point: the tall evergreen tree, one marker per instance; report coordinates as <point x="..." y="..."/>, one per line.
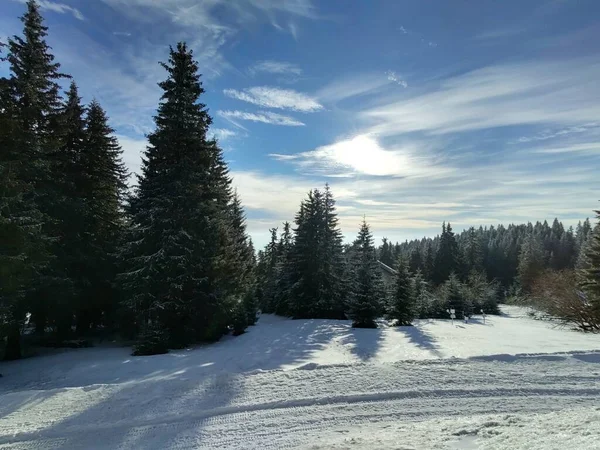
<point x="401" y="307"/>
<point x="367" y="292"/>
<point x="332" y="273"/>
<point x="589" y="274"/>
<point x="472" y="252"/>
<point x="386" y="253"/>
<point x="531" y="261"/>
<point x="103" y="187"/>
<point x="176" y="255"/>
<point x="23" y="247"/>
<point x="447" y="256"/>
<point x="31" y="110"/>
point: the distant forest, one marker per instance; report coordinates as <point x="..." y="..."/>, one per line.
<point x="170" y="263"/>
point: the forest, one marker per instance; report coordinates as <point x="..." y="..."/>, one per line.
<point x="169" y="263"/>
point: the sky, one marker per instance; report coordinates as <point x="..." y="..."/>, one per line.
<point x="415" y="112"/>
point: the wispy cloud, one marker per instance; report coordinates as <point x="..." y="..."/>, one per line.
<point x="534" y="93"/>
<point x="552" y="134"/>
<point x="394" y="78"/>
<point x="261" y="116"/>
<point x="60" y="8"/>
<point x="589" y="147"/>
<point x="352" y="86"/>
<point x="121" y="33"/>
<point x="276" y="67"/>
<point x="363" y="154"/>
<point x="272" y="97"/>
<point x="222" y="134"/>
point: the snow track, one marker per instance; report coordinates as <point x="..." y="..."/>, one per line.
<point x="295" y="408"/>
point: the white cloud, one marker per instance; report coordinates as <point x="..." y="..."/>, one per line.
<point x="549" y="93"/>
<point x="261" y="116"/>
<point x="588" y="147"/>
<point x="222" y="133"/>
<point x="352" y="86"/>
<point x="60" y="8"/>
<point x="363" y="154"/>
<point x="133" y="149"/>
<point x="552" y="134"/>
<point x="277" y="67"/>
<point x="394" y="78"/>
<point x="272" y="97"/>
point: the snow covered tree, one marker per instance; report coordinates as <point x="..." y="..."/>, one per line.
<point x="386" y="254"/>
<point x="401" y="305"/>
<point x="447" y="256"/>
<point x="454" y="296"/>
<point x="178" y="254"/>
<point x="472" y="252"/>
<point x="367" y="291"/>
<point x="421" y="295"/>
<point x="531" y="261"/>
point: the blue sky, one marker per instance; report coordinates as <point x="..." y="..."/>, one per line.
<point x="415" y="112"/>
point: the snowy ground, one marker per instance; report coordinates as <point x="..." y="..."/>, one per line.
<point x="510" y="383"/>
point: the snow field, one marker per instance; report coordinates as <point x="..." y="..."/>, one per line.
<point x="318" y="384"/>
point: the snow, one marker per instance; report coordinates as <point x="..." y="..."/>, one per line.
<point x="513" y="382"/>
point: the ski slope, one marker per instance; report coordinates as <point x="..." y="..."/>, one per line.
<point x="512" y="382"/>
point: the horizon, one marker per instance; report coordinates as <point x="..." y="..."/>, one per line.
<point x="473" y="116"/>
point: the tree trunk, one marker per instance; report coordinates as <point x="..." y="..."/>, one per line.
<point x="13" y="344"/>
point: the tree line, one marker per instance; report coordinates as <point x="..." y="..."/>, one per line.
<point x="307" y="272"/>
<point x="167" y="264"/>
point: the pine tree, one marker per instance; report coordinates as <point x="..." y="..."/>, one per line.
<point x="386" y="254"/>
<point x="30" y="110"/>
<point x="421" y="296"/>
<point x="454" y="296"/>
<point x="103" y="186"/>
<point x="177" y="253"/>
<point x="531" y="261"/>
<point x="472" y="252"/>
<point x="305" y="291"/>
<point x="22" y="245"/>
<point x="284" y="269"/>
<point x="447" y="256"/>
<point x="589" y="274"/>
<point x="401" y="306"/>
<point x="332" y="273"/>
<point x="416" y="262"/>
<point x="367" y="292"/>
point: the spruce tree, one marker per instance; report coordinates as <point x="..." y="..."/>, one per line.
<point x="332" y="273"/>
<point x="177" y="254"/>
<point x="401" y="307"/>
<point x="447" y="256"/>
<point x="531" y="261"/>
<point x="102" y="185"/>
<point x="367" y="291"/>
<point x="589" y="274"/>
<point x="386" y="253"/>
<point x="30" y="142"/>
<point x="454" y="296"/>
<point x="23" y="247"/>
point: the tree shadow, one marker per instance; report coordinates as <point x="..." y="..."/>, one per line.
<point x="133" y="402"/>
<point x="421" y="339"/>
<point x="364" y="343"/>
